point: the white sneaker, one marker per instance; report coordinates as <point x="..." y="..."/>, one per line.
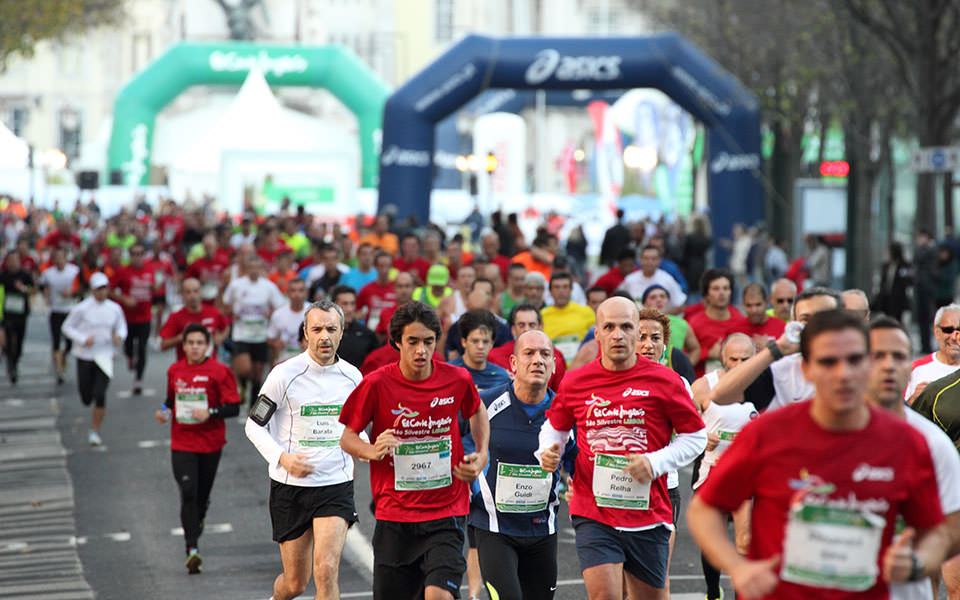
<point x="94" y="438"/>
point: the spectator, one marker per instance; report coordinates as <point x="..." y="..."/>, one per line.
<point x="895" y="277"/>
<point x="818" y="261"/>
<point x="615" y="241"/>
<point x="946" y="274"/>
<point x="925" y="262"/>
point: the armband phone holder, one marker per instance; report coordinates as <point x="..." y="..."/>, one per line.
<point x="262" y="410"/>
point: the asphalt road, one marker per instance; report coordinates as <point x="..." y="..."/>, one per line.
<point x="127" y="508"/>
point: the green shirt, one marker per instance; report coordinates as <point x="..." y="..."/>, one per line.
<point x="939" y="402"/>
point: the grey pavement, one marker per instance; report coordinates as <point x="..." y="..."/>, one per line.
<point x="116" y="507"/>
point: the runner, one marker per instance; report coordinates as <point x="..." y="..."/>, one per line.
<point x="311" y="487"/>
<point x="134" y="287"/>
<point x="249" y="300"/>
<point x="358" y="341"/>
<point x="889" y="373"/>
<point x="286" y="322"/>
<point x="16" y="281"/>
<point x="208" y="269"/>
<point x="194" y="310"/>
<point x="946" y="360"/>
<point x="723" y="423"/>
<point x="201" y="393"/>
<point x="828" y="478"/>
<point x="418" y="471"/>
<point x="62" y="287"/>
<point x="95" y="325"/>
<point x="525" y="317"/>
<point x="625" y="410"/>
<point x="516" y="530"/>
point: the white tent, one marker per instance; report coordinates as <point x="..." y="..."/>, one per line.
<point x="255" y="120"/>
<point x="13" y="150"/>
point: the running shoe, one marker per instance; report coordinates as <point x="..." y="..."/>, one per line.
<point x="194" y="561"/>
<point x="94" y="438"/>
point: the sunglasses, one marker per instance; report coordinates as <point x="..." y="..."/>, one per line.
<point x="948" y="330"/>
<point x="783" y="300"/>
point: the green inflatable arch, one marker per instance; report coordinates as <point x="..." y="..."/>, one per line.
<point x="226" y="63"/>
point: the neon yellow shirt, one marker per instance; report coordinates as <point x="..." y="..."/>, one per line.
<point x="567" y="326"/>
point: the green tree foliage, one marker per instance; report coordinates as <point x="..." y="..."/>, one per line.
<point x="24" y="23"/>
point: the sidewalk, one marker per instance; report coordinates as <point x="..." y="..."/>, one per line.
<point x="38" y="547"/>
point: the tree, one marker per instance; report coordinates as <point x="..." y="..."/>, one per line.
<point x="924" y="39"/>
<point x="24" y="23"/>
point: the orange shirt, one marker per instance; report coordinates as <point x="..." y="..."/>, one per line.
<point x="387" y="242"/>
<point x="525" y="259"/>
<point x="281" y="279"/>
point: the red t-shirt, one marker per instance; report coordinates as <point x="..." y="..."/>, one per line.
<point x="375" y="298"/>
<point x="772" y="328"/>
<point x="501" y="356"/>
<point x="622" y="412"/>
<point x="56" y="239"/>
<point x="610" y="280"/>
<point x="138" y="283"/>
<point x="416" y="411"/>
<point x="418" y="266"/>
<point x="710" y="331"/>
<point x="163" y="270"/>
<point x="209" y="316"/>
<point x="216" y="382"/>
<point x="776" y="460"/>
<point x="383" y="325"/>
<point x="208" y="271"/>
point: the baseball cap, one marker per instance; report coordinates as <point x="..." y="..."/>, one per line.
<point x="438" y="275"/>
<point x="98" y="280"/>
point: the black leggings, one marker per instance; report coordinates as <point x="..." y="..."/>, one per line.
<point x="56" y="323"/>
<point x="137" y="334"/>
<point x="15" y="328"/>
<point x="194" y="472"/>
<point x="92" y="383"/>
<point x="518" y="568"/>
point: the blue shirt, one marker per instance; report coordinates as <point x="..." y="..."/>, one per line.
<point x="514" y="437"/>
<point x="489" y="377"/>
<point x="355" y="279"/>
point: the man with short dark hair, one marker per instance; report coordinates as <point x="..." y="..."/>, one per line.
<point x="717" y="320"/>
<point x="566" y="322"/>
<point x="377" y="295"/>
<point x="761" y="327"/>
<point x="830" y="469"/>
<point x="194" y="311"/>
<point x="283" y="330"/>
<point x="357" y="341"/>
<point x="595" y="296"/>
<point x="476" y="329"/>
<point x="613" y="278"/>
<point x="133" y="287"/>
<point x="649" y="274"/>
<point x="418" y="471"/>
<point x="410" y="260"/>
<point x="403" y="287"/>
<point x="479" y="298"/>
<point x="513" y="294"/>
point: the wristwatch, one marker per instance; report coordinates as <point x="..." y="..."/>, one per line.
<point x="774" y="350"/>
<point x="916" y="567"/>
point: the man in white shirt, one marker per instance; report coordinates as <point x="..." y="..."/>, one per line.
<point x="889" y="371"/>
<point x="249" y="300"/>
<point x="649" y="274"/>
<point x="95" y="325"/>
<point x="946" y="360"/>
<point x="311" y="488"/>
<point x="283" y="332"/>
<point x="59" y="282"/>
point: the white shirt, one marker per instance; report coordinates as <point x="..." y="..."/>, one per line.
<point x="318" y="270"/>
<point x="59" y="281"/>
<point x="300" y="386"/>
<point x="636" y="283"/>
<point x="285" y="325"/>
<point x="789" y="384"/>
<point x="251" y="303"/>
<point x="99" y="320"/>
<point x="725" y="418"/>
<point x="946" y="465"/>
<point x="927" y="372"/>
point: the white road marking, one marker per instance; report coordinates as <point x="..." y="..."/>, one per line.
<point x="359" y="552"/>
<point x="124" y="394"/>
<point x="149" y="392"/>
<point x="13" y="547"/>
<point x="153" y="443"/>
<point x="120" y="536"/>
<point x="213" y="528"/>
<point x="100" y="448"/>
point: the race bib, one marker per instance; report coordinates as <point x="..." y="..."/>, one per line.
<point x="834" y="548"/>
<point x="15" y="304"/>
<point x="208" y="291"/>
<point x="185" y="403"/>
<point x="253" y="327"/>
<point x="422" y="465"/>
<point x="568" y="344"/>
<point x="522" y="488"/>
<point x="615" y="488"/>
<point x="318" y="426"/>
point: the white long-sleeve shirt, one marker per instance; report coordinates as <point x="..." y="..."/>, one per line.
<point x="99" y="320"/>
<point x="309" y="398"/>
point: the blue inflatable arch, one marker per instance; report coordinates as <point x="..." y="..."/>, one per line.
<point x="668" y="62"/>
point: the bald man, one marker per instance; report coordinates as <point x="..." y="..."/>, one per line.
<point x="625" y="410"/>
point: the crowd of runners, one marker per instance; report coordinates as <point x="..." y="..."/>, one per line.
<point x="486" y="380"/>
